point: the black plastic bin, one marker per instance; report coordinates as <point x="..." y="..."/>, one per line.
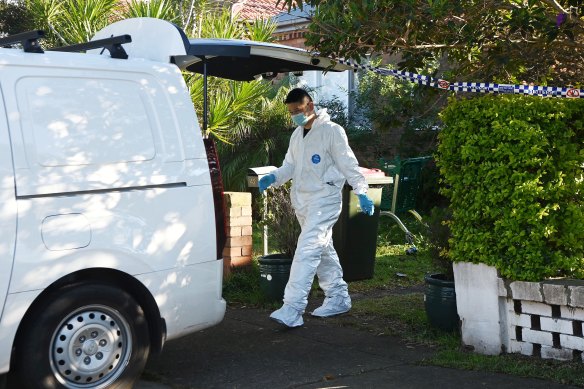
<point x="274" y="274"/>
<point x="355" y="233"/>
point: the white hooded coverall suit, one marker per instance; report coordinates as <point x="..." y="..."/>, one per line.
<point x="318" y="165"/>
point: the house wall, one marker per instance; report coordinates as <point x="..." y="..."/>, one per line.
<point x="291" y="38"/>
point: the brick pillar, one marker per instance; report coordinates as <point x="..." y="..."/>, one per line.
<point x="238" y="248"/>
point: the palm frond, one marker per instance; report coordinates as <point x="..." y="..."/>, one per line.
<point x="220" y="25"/>
<point x="81" y="19"/>
<point x="260" y="30"/>
<point x="159" y="9"/>
<point x="45" y="14"/>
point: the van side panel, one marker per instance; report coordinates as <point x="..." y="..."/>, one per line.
<point x="7" y="222"/>
<point x="107" y="167"/>
<point x="137" y="231"/>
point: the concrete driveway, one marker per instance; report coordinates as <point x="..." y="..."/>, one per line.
<point x="247" y="350"/>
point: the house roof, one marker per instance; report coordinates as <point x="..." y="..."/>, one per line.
<point x="257" y="9"/>
<point x="295" y="16"/>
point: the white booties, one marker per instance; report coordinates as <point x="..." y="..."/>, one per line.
<point x="333" y="306"/>
<point x="288" y="316"/>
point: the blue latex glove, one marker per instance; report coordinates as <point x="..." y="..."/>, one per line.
<point x="266" y="181"/>
<point x="366" y="204"/>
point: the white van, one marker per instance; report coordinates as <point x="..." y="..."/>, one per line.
<point x="111" y="210"/>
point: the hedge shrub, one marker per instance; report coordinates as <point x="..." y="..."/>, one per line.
<point x="512" y="167"/>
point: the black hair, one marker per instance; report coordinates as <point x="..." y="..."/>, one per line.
<point x="297" y="95"/>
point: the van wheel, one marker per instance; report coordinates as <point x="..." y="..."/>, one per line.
<point x="86" y="336"/>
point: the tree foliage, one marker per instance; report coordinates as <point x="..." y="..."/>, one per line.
<point x="12" y="17"/>
<point x="500" y="40"/>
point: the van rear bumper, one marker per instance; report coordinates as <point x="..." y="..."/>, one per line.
<point x="188" y="297"/>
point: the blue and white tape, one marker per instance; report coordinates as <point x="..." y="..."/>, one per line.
<point x="476" y="87"/>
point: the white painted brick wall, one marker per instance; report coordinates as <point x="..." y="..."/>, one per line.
<point x="508" y="304"/>
<point x="572" y="342"/>
<point x="539" y="337"/>
<point x="526" y="291"/>
<point x="477" y="302"/>
<point x="555" y="294"/>
<point x="521" y="347"/>
<point x="556" y="325"/>
<point x="536" y="308"/>
<point x="486" y="305"/>
<point x="577" y="296"/>
<point x="501" y="286"/>
<point x="519" y="320"/>
<point x="572" y="313"/>
<point x="556" y="353"/>
<point x="512" y="333"/>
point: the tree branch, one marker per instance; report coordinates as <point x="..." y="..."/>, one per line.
<point x="556" y="5"/>
<point x="569" y="13"/>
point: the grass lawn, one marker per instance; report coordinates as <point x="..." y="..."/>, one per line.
<point x="392" y="304"/>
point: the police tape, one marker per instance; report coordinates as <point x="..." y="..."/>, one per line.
<point x="476" y="87"/>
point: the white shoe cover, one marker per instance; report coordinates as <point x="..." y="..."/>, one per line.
<point x="333" y="306"/>
<point x="287" y="316"/>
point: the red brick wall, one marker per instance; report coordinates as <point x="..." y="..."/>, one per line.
<point x="238" y="248"/>
<point x="292" y="38"/>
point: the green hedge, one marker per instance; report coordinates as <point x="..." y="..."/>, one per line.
<point x="512" y="168"/>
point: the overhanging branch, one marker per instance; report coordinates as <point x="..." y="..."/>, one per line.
<point x="556" y="5"/>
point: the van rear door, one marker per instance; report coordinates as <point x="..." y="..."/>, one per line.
<point x="233" y="59"/>
<point x="243" y="60"/>
<point x="7" y="208"/>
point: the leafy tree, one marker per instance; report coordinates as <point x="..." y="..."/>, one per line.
<point x="14" y="17"/>
<point x="501" y="40"/>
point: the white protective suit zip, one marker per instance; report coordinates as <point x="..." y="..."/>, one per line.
<point x="318" y="164"/>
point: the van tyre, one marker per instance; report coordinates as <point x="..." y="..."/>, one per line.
<point x="84" y="336"/>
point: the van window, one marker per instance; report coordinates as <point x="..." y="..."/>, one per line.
<point x="78" y="121"/>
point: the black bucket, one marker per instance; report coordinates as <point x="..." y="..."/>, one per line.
<point x="274" y="274"/>
<point x="440" y="302"/>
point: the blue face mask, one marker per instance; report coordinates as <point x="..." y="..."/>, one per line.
<point x="300" y="119"/>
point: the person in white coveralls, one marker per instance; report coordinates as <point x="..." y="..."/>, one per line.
<point x="318" y="161"/>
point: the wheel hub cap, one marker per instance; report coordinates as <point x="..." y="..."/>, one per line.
<point x="91" y="348"/>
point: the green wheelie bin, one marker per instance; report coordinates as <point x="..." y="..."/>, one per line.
<point x="355" y="233"/>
